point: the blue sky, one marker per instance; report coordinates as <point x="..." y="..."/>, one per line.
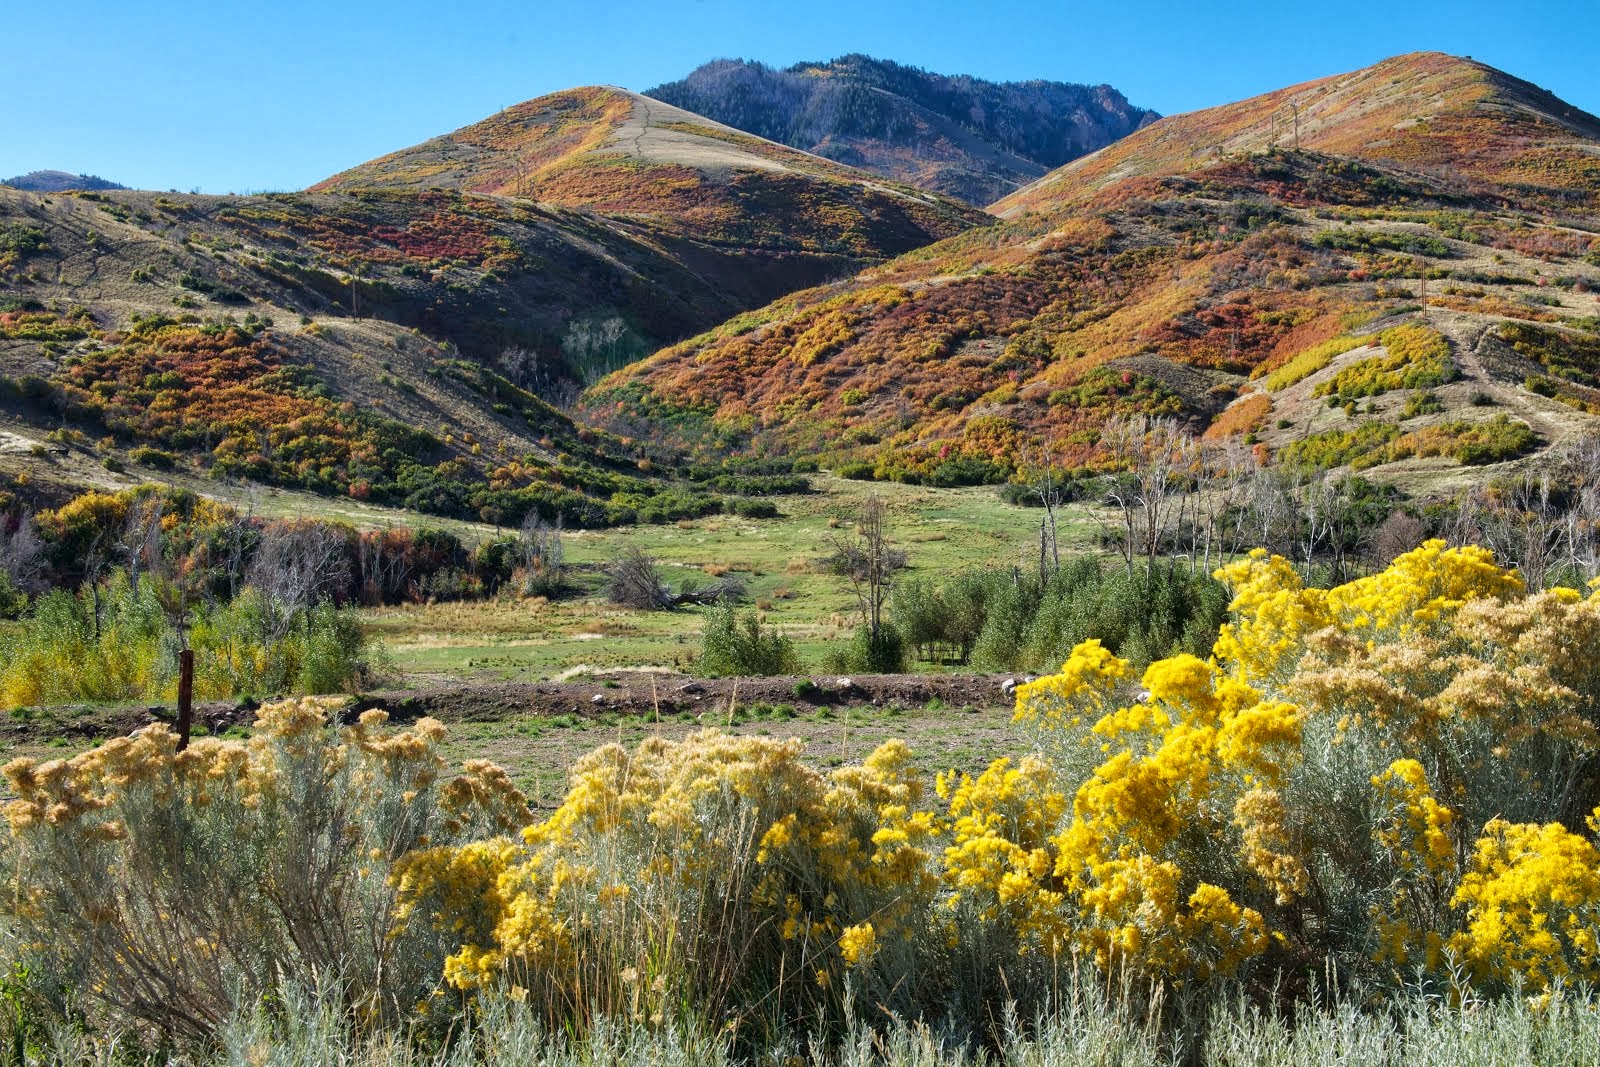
<point x="228" y="97"/>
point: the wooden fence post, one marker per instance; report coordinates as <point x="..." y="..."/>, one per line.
<point x="185" y="697"/>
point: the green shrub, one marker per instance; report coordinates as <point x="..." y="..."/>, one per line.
<point x="1421" y="402"/>
<point x="736" y="643"/>
<point x="146" y="456"/>
<point x="115" y="643"/>
<point x="752" y="509"/>
<point x="887" y="654"/>
<point x="1375" y="241"/>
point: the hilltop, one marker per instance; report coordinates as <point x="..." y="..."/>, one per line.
<point x="965" y="137"/>
<point x="674" y="174"/>
<point x="58" y="181"/>
<point x="1175" y="271"/>
<point x="399" y="333"/>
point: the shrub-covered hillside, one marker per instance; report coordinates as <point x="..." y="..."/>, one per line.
<point x="408" y="334"/>
<point x="1181" y="270"/>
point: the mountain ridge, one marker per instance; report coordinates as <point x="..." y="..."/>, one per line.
<point x="967" y="137"/>
<point x="401" y="339"/>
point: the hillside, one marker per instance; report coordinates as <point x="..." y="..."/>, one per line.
<point x="669" y="173"/>
<point x="965" y="137"/>
<point x="1173" y="271"/>
<point x="58" y="181"/>
<point x="393" y="340"/>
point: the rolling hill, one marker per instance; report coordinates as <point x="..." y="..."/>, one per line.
<point x="58" y="181"/>
<point x="1395" y="268"/>
<point x="965" y="137"/>
<point x="398" y="332"/>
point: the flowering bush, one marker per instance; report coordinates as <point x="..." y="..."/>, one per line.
<point x="1313" y="789"/>
<point x="173" y="887"/>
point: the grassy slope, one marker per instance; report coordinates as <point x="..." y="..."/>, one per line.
<point x="1160" y="273"/>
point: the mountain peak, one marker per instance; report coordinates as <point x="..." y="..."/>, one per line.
<point x="956" y="134"/>
<point x="642" y="162"/>
<point x="529" y="149"/>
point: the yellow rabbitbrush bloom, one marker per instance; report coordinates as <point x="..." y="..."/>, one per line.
<point x="1532" y="900"/>
<point x="1425" y="586"/>
<point x="721" y="860"/>
<point x="1413" y="828"/>
<point x="264" y="859"/>
<point x="858" y="944"/>
<point x="1002" y="862"/>
<point x="1086" y="682"/>
<point x="1198" y="740"/>
<point x="1415" y="839"/>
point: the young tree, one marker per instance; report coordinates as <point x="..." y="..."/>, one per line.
<point x="1039" y="469"/>
<point x="869" y="562"/>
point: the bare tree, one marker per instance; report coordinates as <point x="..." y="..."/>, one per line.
<point x="869" y="562"/>
<point x="233" y="546"/>
<point x="298" y="564"/>
<point x="1524" y="524"/>
<point x="1223" y="472"/>
<point x="1039" y="470"/>
<point x="140" y="544"/>
<point x="1395" y="536"/>
<point x="1156" y="458"/>
<point x="1582" y="466"/>
<point x="1271" y="508"/>
<point x="22" y="554"/>
<point x="519" y="365"/>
